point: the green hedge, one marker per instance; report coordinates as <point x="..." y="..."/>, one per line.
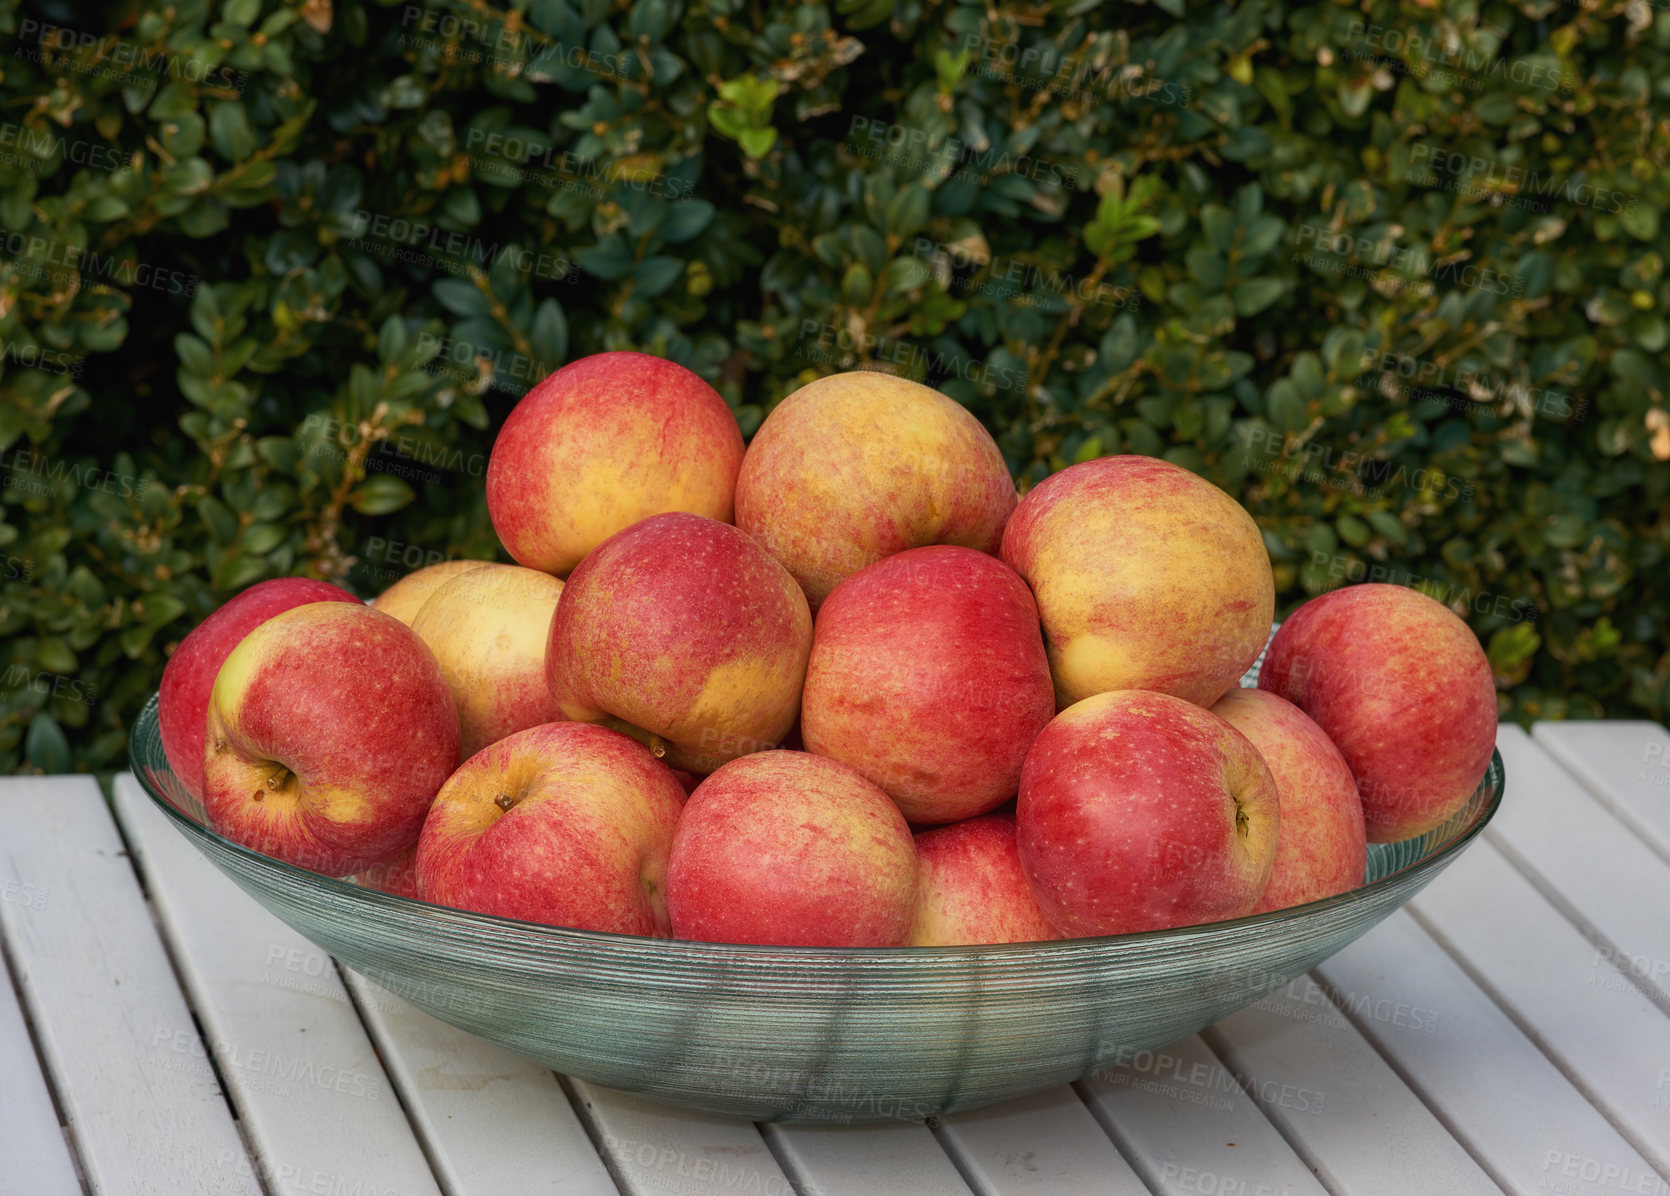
<point x="272" y="273"/>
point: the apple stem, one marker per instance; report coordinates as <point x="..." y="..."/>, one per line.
<point x="504" y="801"/>
<point x="657" y="746"/>
<point x="279" y="779"/>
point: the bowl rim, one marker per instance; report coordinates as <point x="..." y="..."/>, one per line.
<point x="344" y="888"/>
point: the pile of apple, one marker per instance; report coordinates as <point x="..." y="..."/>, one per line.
<point x="991" y="718"/>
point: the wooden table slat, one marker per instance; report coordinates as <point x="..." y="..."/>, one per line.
<point x="1624" y="764"/>
<point x="654" y="1149"/>
<point x="1512" y="1108"/>
<point x="37" y="1159"/>
<point x="1574" y="1003"/>
<point x="863" y="1160"/>
<point x="1048" y="1144"/>
<point x="1593" y="867"/>
<point x="1183" y="1120"/>
<point x="1353" y="1120"/>
<point x="315" y="1101"/>
<point x="143" y="1105"/>
<point x="469" y="1098"/>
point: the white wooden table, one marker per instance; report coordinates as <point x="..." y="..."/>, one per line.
<point x="1510" y="1030"/>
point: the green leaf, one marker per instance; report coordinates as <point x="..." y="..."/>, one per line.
<point x="222" y="524"/>
<point x="381" y="494"/>
<point x="46" y="747"/>
<point x="757" y="143"/>
<point x="654" y="275"/>
<point x="229" y="127"/>
<point x="549" y="334"/>
<point x="905" y="274"/>
<point x="1256" y="294"/>
<point x="908" y="211"/>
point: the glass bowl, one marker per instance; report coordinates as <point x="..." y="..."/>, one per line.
<point x="812" y="1034"/>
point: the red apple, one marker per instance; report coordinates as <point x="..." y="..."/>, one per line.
<point x="686" y="634"/>
<point x="787" y="848"/>
<point x="1140" y="811"/>
<point x="853" y="467"/>
<point x="183" y="704"/>
<point x="1147" y="577"/>
<point x="1402" y="687"/>
<point x="602" y="443"/>
<point x="398" y="876"/>
<point x="488" y="628"/>
<point x="971" y="887"/>
<point x="928" y="675"/>
<point x="406" y="597"/>
<point x="563" y="823"/>
<point x="330" y="729"/>
<point x="1321" y="849"/>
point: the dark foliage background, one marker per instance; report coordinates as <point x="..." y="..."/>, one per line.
<point x="272" y="273"/>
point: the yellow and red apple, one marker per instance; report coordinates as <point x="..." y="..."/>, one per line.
<point x="928" y="675"/>
<point x="686" y="634"/>
<point x="1146" y="576"/>
<point x="188" y="679"/>
<point x="488" y="628"/>
<point x="855" y="467"/>
<point x="564" y="823"/>
<point x="1401" y="686"/>
<point x="599" y="445"/>
<point x="1321" y="849"/>
<point x="1140" y="811"/>
<point x="406" y="597"/>
<point x="786" y="848"/>
<point x="330" y="729"/>
<point x="971" y="888"/>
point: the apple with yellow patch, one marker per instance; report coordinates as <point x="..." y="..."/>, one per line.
<point x="330" y="729"/>
<point x="189" y="678"/>
<point x="406" y="597"/>
<point x="684" y="633"/>
<point x="1140" y="811"/>
<point x="790" y="849"/>
<point x="971" y="888"/>
<point x="928" y="675"/>
<point x="565" y="823"/>
<point x="1147" y="577"/>
<point x="1322" y="849"/>
<point x="488" y="628"/>
<point x="1402" y="687"/>
<point x="599" y="445"/>
<point x="854" y="467"/>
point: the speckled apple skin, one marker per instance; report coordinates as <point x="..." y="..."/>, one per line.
<point x="684" y="629"/>
<point x="183" y="704"/>
<point x="928" y="675"/>
<point x="406" y="597"/>
<point x="584" y="842"/>
<point x="599" y="445"/>
<point x="790" y="849"/>
<point x="398" y="876"/>
<point x="488" y="628"/>
<point x="1140" y="811"/>
<point x="854" y="467"/>
<point x="1322" y="849"/>
<point x="1401" y="686"/>
<point x="330" y="729"/>
<point x="1147" y="577"/>
<point x="971" y="889"/>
